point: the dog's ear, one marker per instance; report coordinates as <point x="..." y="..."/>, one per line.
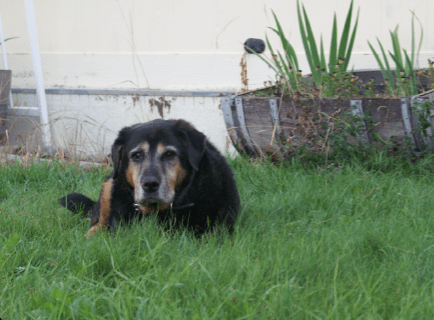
<point x="195" y="141"/>
<point x="117" y="151"/>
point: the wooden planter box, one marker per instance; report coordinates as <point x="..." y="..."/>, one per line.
<point x="258" y="126"/>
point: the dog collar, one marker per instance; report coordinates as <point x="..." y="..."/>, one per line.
<point x="137" y="209"/>
<point x="182" y="207"/>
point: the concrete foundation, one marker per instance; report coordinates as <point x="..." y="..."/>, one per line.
<point x="84" y="123"/>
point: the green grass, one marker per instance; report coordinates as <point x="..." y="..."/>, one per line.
<point x="355" y="242"/>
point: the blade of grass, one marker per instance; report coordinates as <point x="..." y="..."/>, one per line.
<point x="7" y="39"/>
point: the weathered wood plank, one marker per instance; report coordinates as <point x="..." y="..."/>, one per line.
<point x="262" y="121"/>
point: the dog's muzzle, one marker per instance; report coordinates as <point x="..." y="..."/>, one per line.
<point x="154" y="184"/>
<point x="152" y="191"/>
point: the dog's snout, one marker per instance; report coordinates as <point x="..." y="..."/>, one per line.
<point x="150" y="184"/>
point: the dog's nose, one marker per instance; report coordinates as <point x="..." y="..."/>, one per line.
<point x="150" y="184"/>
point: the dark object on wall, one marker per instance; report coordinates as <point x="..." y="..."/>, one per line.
<point x="256" y="45"/>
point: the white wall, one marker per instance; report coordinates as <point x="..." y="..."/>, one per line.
<point x="169" y="45"/>
<point x="189" y="44"/>
<point x="85" y="125"/>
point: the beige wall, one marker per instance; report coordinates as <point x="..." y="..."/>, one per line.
<point x="189" y="44"/>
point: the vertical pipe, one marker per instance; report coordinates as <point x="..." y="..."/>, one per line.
<point x="5" y="61"/>
<point x="2" y="42"/>
<point x="36" y="58"/>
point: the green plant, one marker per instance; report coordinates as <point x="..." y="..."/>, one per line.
<point x="317" y="135"/>
<point x="7" y="39"/>
<point x="403" y="80"/>
<point x="313" y="135"/>
<point x="423" y="111"/>
<point x="429" y="73"/>
<point x="345" y="85"/>
<point x="286" y="65"/>
<point x="339" y="56"/>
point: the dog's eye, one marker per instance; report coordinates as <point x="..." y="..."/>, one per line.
<point x="137" y="155"/>
<point x="169" y="155"/>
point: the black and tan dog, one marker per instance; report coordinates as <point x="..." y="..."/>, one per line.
<point x="168" y="168"/>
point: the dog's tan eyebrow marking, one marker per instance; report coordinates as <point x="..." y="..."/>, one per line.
<point x="161" y="148"/>
<point x="144" y="146"/>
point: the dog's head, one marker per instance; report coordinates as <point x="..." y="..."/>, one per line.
<point x="156" y="158"/>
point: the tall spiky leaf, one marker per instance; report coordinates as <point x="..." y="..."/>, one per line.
<point x="377" y="57"/>
<point x="315" y="60"/>
<point x="345" y="33"/>
<point x="333" y="59"/>
<point x="290" y="75"/>
<point x="278" y="68"/>
<point x="397" y="47"/>
<point x="386" y="61"/>
<point x="285" y="43"/>
<point x="421" y="37"/>
<point x="399" y="66"/>
<point x="323" y="60"/>
<point x="271" y="65"/>
<point x="311" y="39"/>
<point x="350" y="46"/>
<point x="409" y="65"/>
<point x="412" y="40"/>
<point x="286" y="47"/>
<point x="303" y="34"/>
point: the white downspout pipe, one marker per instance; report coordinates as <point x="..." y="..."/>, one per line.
<point x="5" y="61"/>
<point x="37" y="67"/>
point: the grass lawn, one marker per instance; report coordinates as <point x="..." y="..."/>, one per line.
<point x="355" y="242"/>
